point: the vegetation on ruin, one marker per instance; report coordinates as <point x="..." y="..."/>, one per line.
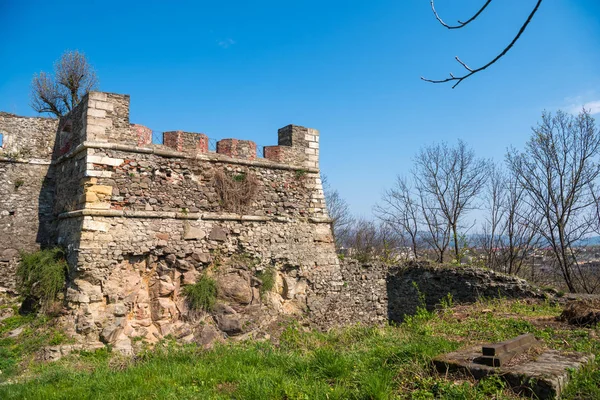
<point x="267" y="276"/>
<point x="59" y="93"/>
<point x="41" y="276"/>
<point x="351" y="363"/>
<point x="236" y="192"/>
<point x="202" y="295"/>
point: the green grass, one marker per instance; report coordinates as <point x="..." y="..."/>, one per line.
<point x="356" y="362"/>
<point x="17" y="352"/>
<point x="202" y="295"/>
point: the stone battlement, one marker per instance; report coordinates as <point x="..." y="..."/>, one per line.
<point x="106" y="119"/>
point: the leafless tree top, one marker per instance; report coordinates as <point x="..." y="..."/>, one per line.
<point x="59" y="94"/>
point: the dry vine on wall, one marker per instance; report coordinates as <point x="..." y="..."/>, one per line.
<point x="235" y="191"/>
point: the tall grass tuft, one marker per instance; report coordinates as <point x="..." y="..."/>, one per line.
<point x="42" y="275"/>
<point x="202" y="295"/>
<point x="268" y="280"/>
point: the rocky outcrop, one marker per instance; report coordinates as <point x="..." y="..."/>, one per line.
<point x="142" y="300"/>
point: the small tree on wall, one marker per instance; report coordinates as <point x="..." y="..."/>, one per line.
<point x="58" y="94"/>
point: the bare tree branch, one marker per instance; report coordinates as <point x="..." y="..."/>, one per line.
<point x="471" y="71"/>
<point x="59" y="94"/>
<point x="460" y="24"/>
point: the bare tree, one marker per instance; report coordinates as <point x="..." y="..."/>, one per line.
<point x="339" y="212"/>
<point x="59" y="94"/>
<point x="493" y="229"/>
<point x="449" y="179"/>
<point x="558" y="169"/>
<point x="363" y="240"/>
<point x="369" y="240"/>
<point x="436" y="228"/>
<point x="472" y="71"/>
<point x="400" y="209"/>
<point x="520" y="234"/>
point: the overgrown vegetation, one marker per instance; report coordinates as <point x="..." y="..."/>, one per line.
<point x="19" y="183"/>
<point x="267" y="276"/>
<point x="236" y="192"/>
<point x="202" y="295"/>
<point x="390" y="362"/>
<point x="41" y="275"/>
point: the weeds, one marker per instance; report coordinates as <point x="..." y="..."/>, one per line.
<point x="267" y="276"/>
<point x="42" y="275"/>
<point x="202" y="295"/>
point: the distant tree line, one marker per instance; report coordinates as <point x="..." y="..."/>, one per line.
<point x="542" y="200"/>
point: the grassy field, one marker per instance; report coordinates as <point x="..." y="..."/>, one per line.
<point x="351" y="363"/>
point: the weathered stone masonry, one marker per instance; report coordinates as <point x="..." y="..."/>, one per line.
<point x="140" y="220"/>
<point x="26" y="189"/>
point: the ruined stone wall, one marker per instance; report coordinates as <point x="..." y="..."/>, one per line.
<point x="26" y="189"/>
<point x="141" y="221"/>
<point x="376" y="293"/>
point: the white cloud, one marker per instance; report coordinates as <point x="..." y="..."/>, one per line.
<point x="576" y="104"/>
<point x="226" y="43"/>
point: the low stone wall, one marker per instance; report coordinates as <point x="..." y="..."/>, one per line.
<point x="375" y="293"/>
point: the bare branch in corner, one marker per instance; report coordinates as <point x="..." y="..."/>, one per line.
<point x="460" y="23"/>
<point x="472" y="71"/>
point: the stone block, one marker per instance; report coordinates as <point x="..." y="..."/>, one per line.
<point x="113" y="162"/>
<point x="90" y="197"/>
<point x="103" y="105"/>
<point x="94" y="130"/>
<point x="218" y="234"/>
<point x="96" y="113"/>
<point x="97" y="96"/>
<point x="100" y="189"/>
<point x="91" y="225"/>
<point x="191" y="233"/>
<point x="235" y="288"/>
<point x="230" y="324"/>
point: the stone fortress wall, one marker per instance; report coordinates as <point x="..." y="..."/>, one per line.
<point x="140" y="220"/>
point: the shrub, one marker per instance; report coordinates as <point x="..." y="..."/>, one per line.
<point x="202" y="295"/>
<point x="268" y="280"/>
<point x="42" y="275"/>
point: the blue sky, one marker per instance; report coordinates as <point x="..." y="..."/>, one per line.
<point x="348" y="68"/>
